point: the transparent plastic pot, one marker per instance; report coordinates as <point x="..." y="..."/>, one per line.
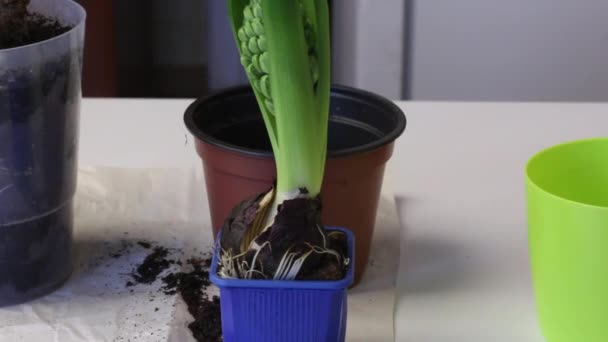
<point x="40" y="92"/>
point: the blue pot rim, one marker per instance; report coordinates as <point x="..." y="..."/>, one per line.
<point x="289" y="284"/>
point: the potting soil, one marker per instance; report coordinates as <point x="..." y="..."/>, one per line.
<point x="192" y="287"/>
<point x="36" y="29"/>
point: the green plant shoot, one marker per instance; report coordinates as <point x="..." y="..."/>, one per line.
<point x="285" y="50"/>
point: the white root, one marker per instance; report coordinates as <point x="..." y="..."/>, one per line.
<point x="323" y="236"/>
<point x="320" y="250"/>
<point x="288" y="269"/>
<point x="284" y="265"/>
<point x="297" y="265"/>
<point x="227" y="267"/>
<point x="255" y="257"/>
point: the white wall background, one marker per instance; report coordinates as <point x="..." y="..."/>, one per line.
<point x="523" y="50"/>
<point x="368" y="45"/>
<point x="471" y="50"/>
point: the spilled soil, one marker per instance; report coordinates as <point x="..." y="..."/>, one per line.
<point x="152" y="266"/>
<point x="191" y="286"/>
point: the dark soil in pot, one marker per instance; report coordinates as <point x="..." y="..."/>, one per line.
<point x="39" y="112"/>
<point x="34" y="29"/>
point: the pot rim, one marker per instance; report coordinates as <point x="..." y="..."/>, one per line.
<point x="336" y="91"/>
<point x="81" y="22"/>
<point x="290" y="284"/>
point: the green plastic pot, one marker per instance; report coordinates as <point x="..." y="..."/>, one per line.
<point x="567" y="192"/>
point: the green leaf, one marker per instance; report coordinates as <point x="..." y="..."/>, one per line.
<point x="284" y="47"/>
<point x="293" y="97"/>
<point x="310" y="12"/>
<point x="323" y="47"/>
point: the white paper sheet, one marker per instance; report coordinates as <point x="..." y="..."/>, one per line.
<point x="167" y="206"/>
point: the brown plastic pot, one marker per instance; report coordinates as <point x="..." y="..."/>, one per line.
<point x="237" y="159"/>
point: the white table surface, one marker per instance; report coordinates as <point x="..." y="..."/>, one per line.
<point x="457" y="175"/>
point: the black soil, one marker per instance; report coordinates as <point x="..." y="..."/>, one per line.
<point x="35" y="29"/>
<point x="207" y="325"/>
<point x="192" y="286"/>
<point x="153" y="265"/>
<point x="144" y="244"/>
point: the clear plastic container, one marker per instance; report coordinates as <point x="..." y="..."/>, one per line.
<point x="40" y="93"/>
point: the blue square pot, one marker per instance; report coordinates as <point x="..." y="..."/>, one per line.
<point x="279" y="311"/>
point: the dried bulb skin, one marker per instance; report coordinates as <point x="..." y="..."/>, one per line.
<point x="238" y="222"/>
